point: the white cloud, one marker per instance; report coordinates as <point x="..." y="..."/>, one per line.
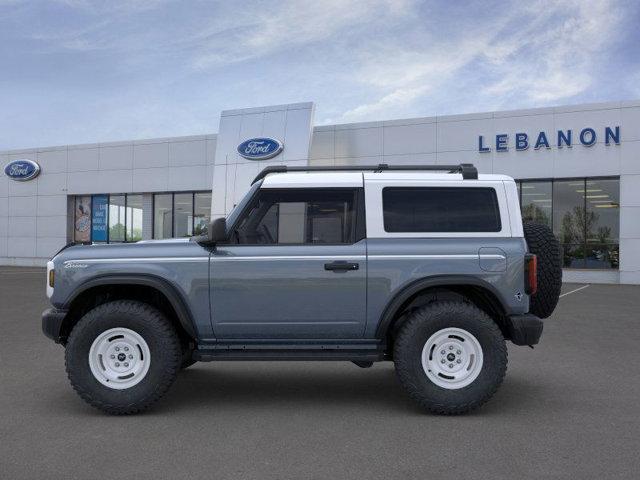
<point x="165" y="67"/>
<point x="544" y="52"/>
<point x="253" y="33"/>
<point x="397" y="98"/>
<point x="405" y="76"/>
<point x="554" y="63"/>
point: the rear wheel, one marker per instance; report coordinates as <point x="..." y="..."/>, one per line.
<point x="450" y="357"/>
<point x="122" y="356"/>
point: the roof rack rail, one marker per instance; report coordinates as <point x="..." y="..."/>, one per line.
<point x="468" y="170"/>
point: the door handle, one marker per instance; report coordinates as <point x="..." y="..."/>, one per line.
<point x="341" y="266"/>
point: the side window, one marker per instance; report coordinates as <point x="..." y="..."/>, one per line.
<point x="440" y="209"/>
<point x="299" y="217"/>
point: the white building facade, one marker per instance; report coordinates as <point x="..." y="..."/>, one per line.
<point x="578" y="169"/>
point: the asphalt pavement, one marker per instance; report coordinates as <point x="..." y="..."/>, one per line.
<point x="570" y="409"/>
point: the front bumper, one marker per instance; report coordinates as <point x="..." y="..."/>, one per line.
<point x="524" y="329"/>
<point x="52" y="320"/>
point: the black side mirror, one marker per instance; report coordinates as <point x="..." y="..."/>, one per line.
<point x="217" y="230"/>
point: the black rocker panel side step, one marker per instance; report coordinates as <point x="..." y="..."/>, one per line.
<point x="300" y="354"/>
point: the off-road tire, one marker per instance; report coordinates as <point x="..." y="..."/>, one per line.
<point x="407" y="354"/>
<point x="546" y="247"/>
<point x="155" y="329"/>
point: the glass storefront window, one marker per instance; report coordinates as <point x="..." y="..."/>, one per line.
<point x="82" y="219"/>
<point x="603" y="211"/>
<point x="183" y="215"/>
<point x="572" y="255"/>
<point x="162" y="215"/>
<point x="603" y="223"/>
<point x="134" y="218"/>
<point x="568" y="211"/>
<point x="117" y="218"/>
<point x="536" y="202"/>
<point x="584" y="215"/>
<point x="99" y="216"/>
<point x="201" y="212"/>
<point x="604" y="256"/>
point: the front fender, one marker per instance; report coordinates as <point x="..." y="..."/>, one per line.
<point x="183" y="312"/>
<point x="178" y="270"/>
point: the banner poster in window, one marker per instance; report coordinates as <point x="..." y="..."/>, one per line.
<point x="82" y="219"/>
<point x="99" y="209"/>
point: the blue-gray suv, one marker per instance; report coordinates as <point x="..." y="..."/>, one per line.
<point x="429" y="267"/>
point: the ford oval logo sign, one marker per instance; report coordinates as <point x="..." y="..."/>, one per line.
<point x="260" y="148"/>
<point x="22" y="170"/>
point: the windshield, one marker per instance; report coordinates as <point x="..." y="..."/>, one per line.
<point x="237" y="210"/>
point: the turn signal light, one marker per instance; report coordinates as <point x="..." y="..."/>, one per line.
<point x="52" y="277"/>
<point x="530" y="274"/>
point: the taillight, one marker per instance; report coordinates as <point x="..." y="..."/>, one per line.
<point x="530" y="274"/>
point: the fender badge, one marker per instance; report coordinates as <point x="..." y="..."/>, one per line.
<point x="518" y="296"/>
<point x="75" y="265"/>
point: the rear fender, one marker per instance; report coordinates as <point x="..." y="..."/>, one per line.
<point x="400" y="299"/>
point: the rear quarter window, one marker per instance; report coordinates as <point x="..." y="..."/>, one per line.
<point x="440" y="209"/>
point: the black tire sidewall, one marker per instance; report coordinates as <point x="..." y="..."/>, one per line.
<point x="429" y="320"/>
<point x="151" y="325"/>
<point x="542" y="243"/>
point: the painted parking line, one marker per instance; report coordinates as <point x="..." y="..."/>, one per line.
<point x="574" y="291"/>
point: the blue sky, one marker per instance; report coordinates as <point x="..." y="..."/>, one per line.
<point x="76" y="71"/>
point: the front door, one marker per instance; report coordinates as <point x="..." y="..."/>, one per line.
<point x="295" y="267"/>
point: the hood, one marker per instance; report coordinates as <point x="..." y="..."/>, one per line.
<point x="175" y="247"/>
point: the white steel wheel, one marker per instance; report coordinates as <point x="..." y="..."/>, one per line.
<point x="119" y="358"/>
<point x="452" y="358"/>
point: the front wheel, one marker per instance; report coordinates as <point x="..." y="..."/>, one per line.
<point x="451" y="357"/>
<point x="122" y="356"/>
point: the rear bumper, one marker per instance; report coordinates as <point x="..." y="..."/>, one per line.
<point x="52" y="320"/>
<point x="524" y="329"/>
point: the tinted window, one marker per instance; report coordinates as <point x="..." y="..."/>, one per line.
<point x="440" y="209"/>
<point x="315" y="216"/>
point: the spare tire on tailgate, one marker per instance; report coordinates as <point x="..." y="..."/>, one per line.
<point x="545" y="246"/>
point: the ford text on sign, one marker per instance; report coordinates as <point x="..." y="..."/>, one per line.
<point x="22" y="170"/>
<point x="260" y="148"/>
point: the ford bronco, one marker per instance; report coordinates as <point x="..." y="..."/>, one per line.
<point x="430" y="267"/>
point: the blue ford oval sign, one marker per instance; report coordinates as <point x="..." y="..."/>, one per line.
<point x="260" y="148"/>
<point x="22" y="170"/>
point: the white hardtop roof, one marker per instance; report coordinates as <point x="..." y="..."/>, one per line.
<point x="356" y="179"/>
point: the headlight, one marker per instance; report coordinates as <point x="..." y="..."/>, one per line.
<point x="51" y="277"/>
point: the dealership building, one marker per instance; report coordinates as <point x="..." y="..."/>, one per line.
<point x="577" y="168"/>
